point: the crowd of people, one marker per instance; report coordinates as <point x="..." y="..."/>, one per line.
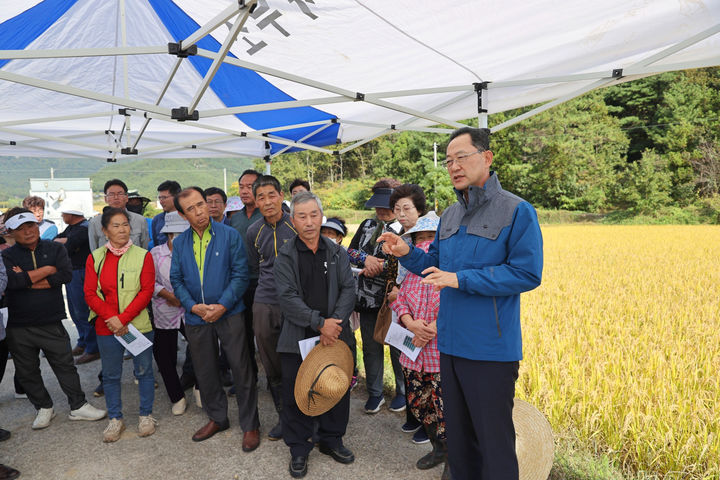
<point x="233" y="274"/>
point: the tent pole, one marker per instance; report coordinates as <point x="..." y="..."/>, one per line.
<point x="409" y="121"/>
<point x="210" y="26"/>
<point x="549" y="105"/>
<point x="311" y="134"/>
<point x="163" y="90"/>
<point x="81" y="52"/>
<point x="220" y="56"/>
<point x="80" y="92"/>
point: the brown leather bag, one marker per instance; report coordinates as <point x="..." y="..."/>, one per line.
<point x="384" y="317"/>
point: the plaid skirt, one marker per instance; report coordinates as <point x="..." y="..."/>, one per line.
<point x="425" y="398"/>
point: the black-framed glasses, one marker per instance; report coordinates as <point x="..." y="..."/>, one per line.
<point x="460" y="159"/>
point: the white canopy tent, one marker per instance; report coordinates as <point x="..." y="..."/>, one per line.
<point x="114" y="79"/>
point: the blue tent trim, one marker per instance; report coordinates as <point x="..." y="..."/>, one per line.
<point x="18" y="32"/>
<point x="237" y="86"/>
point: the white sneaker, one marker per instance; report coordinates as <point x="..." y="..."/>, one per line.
<point x="113" y="431"/>
<point x="196" y="394"/>
<point x="179" y="407"/>
<point x="146" y="427"/>
<point x="87" y="412"/>
<point x="42" y="420"/>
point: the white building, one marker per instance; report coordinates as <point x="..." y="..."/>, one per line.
<point x="55" y="191"/>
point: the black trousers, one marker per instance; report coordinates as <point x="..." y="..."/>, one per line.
<point x="203" y="341"/>
<point x="477" y="404"/>
<point x="3" y="364"/>
<point x="298" y="427"/>
<point x="165" y="353"/>
<point x="248" y="300"/>
<point x="25" y="344"/>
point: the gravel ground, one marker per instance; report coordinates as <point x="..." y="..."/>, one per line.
<point x="74" y="450"/>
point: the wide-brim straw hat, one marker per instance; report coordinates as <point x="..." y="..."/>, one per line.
<point x="323" y="378"/>
<point x="533" y="442"/>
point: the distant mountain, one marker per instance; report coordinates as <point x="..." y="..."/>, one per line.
<point x="146" y="175"/>
<point x="143" y="175"/>
<point x="15" y="172"/>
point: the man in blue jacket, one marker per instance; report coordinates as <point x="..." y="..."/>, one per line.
<point x="479" y="320"/>
<point x="209" y="274"/>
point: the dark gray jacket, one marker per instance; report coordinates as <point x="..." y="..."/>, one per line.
<point x="296" y="314"/>
<point x="264" y="241"/>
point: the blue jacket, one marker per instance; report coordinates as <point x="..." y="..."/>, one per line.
<point x="225" y="273"/>
<point x="494" y="245"/>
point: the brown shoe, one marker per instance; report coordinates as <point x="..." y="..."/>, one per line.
<point x="251" y="440"/>
<point x="78" y="351"/>
<point x="210" y="429"/>
<point x="87" y="358"/>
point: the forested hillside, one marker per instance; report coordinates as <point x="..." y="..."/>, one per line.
<point x="647" y="148"/>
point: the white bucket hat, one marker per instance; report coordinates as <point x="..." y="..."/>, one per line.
<point x="72" y="206"/>
<point x="174" y="223"/>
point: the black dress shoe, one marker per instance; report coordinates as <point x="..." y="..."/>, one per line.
<point x="7" y="473"/>
<point x="4" y="435"/>
<point x="298" y="467"/>
<point x="340" y="454"/>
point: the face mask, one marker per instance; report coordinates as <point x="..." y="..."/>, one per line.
<point x="135" y="209"/>
<point x="332" y="240"/>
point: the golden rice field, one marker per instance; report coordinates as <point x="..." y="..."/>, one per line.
<point x="622" y="344"/>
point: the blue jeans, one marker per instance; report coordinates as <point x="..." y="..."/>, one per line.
<point x="79" y="312"/>
<point x="111" y="356"/>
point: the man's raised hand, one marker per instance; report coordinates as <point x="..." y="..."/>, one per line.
<point x="394" y="245"/>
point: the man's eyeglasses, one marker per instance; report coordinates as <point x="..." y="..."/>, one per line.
<point x="162" y="198"/>
<point x="460" y="159"/>
<point x="215" y="202"/>
<point x="116" y="195"/>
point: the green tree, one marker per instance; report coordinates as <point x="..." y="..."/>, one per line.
<point x="564" y="158"/>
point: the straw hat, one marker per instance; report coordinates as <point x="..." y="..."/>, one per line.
<point x="323" y="378"/>
<point x="533" y="441"/>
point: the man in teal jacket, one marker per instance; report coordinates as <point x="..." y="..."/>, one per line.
<point x="479" y="334"/>
<point x="209" y="274"/>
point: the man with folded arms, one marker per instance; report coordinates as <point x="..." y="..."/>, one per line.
<point x="316" y="292"/>
<point x="37" y="270"/>
<point x="209" y="274"/>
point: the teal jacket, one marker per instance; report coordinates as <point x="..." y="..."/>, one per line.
<point x="225" y="273"/>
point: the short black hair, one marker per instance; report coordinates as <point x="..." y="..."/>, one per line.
<point x="115" y="181"/>
<point x="265" y="180"/>
<point x="14" y="211"/>
<point x="250" y="171"/>
<point x="412" y="191"/>
<point x="299" y="183"/>
<point x="480" y="137"/>
<point x="186" y="192"/>
<point x="171" y="186"/>
<point x="108" y="213"/>
<point x="216" y="191"/>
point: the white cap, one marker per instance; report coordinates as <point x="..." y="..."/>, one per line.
<point x="14" y="222"/>
<point x="72" y="206"/>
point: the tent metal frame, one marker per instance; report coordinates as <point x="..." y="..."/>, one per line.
<point x="337" y="94"/>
